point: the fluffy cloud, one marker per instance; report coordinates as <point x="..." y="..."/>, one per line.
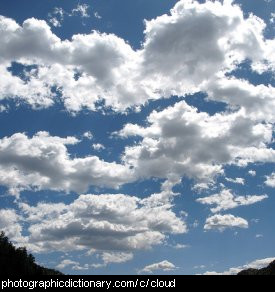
<point x="258" y="264"/>
<point x="9" y="223"/>
<point x="270" y="180"/>
<point x="226" y="200"/>
<point x="66" y="263"/>
<point x="113" y="225"/>
<point x="186" y="51"/>
<point x="181" y="141"/>
<point x="222" y="222"/>
<point x="237" y="180"/>
<point x="116" y="257"/>
<point x="252" y="172"/>
<point x="43" y="162"/>
<point x="161" y="266"/>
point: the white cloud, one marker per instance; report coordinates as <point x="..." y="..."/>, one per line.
<point x="161" y="266"/>
<point x="181" y="141"/>
<point x="237" y="180"/>
<point x="180" y="246"/>
<point x="226" y="200"/>
<point x="43" y="162"/>
<point x="81" y="10"/>
<point x="258" y="264"/>
<point x="3" y="108"/>
<point x="88" y="135"/>
<point x="116" y="257"/>
<point x="9" y="223"/>
<point x="270" y="180"/>
<point x="56" y="17"/>
<point x="98" y="147"/>
<point x="222" y="222"/>
<point x="66" y="263"/>
<point x="97" y="15"/>
<point x="186" y="51"/>
<point x="252" y="172"/>
<point x="112" y="225"/>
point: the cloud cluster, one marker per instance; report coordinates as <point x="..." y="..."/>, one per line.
<point x="161" y="266"/>
<point x="270" y="180"/>
<point x="113" y="225"/>
<point x="222" y="222"/>
<point x="257" y="264"/>
<point x="186" y="51"/>
<point x="182" y="141"/>
<point x="226" y="200"/>
<point x="9" y="223"/>
<point x="43" y="162"/>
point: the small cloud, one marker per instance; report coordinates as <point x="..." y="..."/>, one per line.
<point x="237" y="180"/>
<point x="252" y="172"/>
<point x="81" y="10"/>
<point x="98" y="147"/>
<point x="259" y="236"/>
<point x="270" y="180"/>
<point x="56" y="17"/>
<point x="3" y="108"/>
<point x="97" y="15"/>
<point x="66" y="263"/>
<point x="180" y="246"/>
<point x="161" y="266"/>
<point x="200" y="267"/>
<point x="88" y="135"/>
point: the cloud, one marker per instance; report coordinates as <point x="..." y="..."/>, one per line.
<point x="66" y="263"/>
<point x="182" y="141"/>
<point x="237" y="180"/>
<point x="252" y="172"/>
<point x="9" y="223"/>
<point x="56" y="17"/>
<point x="81" y="10"/>
<point x="270" y="180"/>
<point x="113" y="225"/>
<point x="226" y="200"/>
<point x="186" y="51"/>
<point x="222" y="222"/>
<point x="258" y="264"/>
<point x="43" y="162"/>
<point x="88" y="135"/>
<point x="117" y="257"/>
<point x="161" y="266"/>
<point x="98" y="147"/>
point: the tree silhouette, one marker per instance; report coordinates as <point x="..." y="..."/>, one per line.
<point x="16" y="261"/>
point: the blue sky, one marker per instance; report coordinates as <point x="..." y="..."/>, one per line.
<point x="138" y="139"/>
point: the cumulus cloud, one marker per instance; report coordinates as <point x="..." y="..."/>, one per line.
<point x="56" y="17"/>
<point x="257" y="264"/>
<point x="185" y="51"/>
<point x="9" y="223"/>
<point x="66" y="263"/>
<point x="161" y="266"/>
<point x="113" y="225"/>
<point x="43" y="162"/>
<point x="181" y="141"/>
<point x="222" y="222"/>
<point x="237" y="180"/>
<point x="81" y="10"/>
<point x="98" y="147"/>
<point x="252" y="172"/>
<point x="116" y="257"/>
<point x="226" y="200"/>
<point x="270" y="180"/>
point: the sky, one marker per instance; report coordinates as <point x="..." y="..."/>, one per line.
<point x="137" y="137"/>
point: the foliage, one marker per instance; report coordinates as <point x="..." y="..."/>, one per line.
<point x="17" y="261"/>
